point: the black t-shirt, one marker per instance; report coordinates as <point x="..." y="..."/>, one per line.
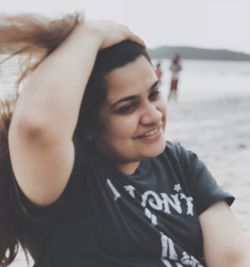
<point x="106" y="218"/>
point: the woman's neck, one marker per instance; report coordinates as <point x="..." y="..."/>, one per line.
<point x="128" y="168"/>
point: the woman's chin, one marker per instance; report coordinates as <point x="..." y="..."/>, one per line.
<point x="155" y="150"/>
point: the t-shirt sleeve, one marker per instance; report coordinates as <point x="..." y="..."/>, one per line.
<point x="38" y="213"/>
<point x="201" y="183"/>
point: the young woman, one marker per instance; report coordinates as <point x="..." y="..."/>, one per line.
<point x="87" y="178"/>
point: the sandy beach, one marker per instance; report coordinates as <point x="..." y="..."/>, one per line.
<point x="219" y="132"/>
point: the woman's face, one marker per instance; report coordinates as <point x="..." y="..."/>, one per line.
<point x="133" y="117"/>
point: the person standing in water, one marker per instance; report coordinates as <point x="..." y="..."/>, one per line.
<point x="175" y="68"/>
<point x="158" y="71"/>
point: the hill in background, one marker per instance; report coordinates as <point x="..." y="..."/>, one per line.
<point x="167" y="52"/>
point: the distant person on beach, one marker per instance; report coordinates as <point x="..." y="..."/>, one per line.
<point x="86" y="176"/>
<point x="175" y="68"/>
<point x="158" y="71"/>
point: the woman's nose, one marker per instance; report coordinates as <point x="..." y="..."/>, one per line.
<point x="151" y="114"/>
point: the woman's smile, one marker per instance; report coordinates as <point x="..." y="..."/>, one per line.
<point x="133" y="134"/>
<point x="151" y="135"/>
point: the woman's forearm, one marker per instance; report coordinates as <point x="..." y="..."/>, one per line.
<point x="52" y="98"/>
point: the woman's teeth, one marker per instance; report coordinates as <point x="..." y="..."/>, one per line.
<point x="151" y="133"/>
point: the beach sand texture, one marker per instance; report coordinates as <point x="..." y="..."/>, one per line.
<point x="219" y="132"/>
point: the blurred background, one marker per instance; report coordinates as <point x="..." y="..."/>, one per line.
<point x="211" y="112"/>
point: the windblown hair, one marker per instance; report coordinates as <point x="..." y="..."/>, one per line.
<point x="34" y="38"/>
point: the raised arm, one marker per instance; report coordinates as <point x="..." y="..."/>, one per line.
<point x="46" y="113"/>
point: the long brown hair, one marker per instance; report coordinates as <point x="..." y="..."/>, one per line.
<point x="33" y="37"/>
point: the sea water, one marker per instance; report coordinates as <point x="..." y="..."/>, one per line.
<point x="208" y="79"/>
<point x="199" y="79"/>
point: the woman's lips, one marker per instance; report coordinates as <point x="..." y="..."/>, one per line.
<point x="151" y="135"/>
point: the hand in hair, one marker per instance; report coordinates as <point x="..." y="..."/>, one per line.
<point x="111" y="33"/>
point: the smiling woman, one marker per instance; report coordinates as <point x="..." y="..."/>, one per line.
<point x="133" y="116"/>
<point x="88" y="177"/>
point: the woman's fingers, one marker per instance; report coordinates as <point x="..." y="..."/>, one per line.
<point x="112" y="33"/>
<point x="137" y="39"/>
<point x="133" y="37"/>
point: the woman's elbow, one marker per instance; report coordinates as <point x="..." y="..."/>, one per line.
<point x="31" y="128"/>
<point x="237" y="257"/>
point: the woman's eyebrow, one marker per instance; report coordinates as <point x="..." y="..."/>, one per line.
<point x="133" y="97"/>
<point x="124" y="99"/>
<point x="156" y="84"/>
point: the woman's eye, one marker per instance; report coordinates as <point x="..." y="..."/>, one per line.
<point x="154" y="94"/>
<point x="127" y="109"/>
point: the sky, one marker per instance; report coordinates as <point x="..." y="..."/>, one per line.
<point x="216" y="24"/>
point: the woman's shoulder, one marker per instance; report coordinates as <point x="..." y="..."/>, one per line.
<point x="175" y="153"/>
<point x="175" y="149"/>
